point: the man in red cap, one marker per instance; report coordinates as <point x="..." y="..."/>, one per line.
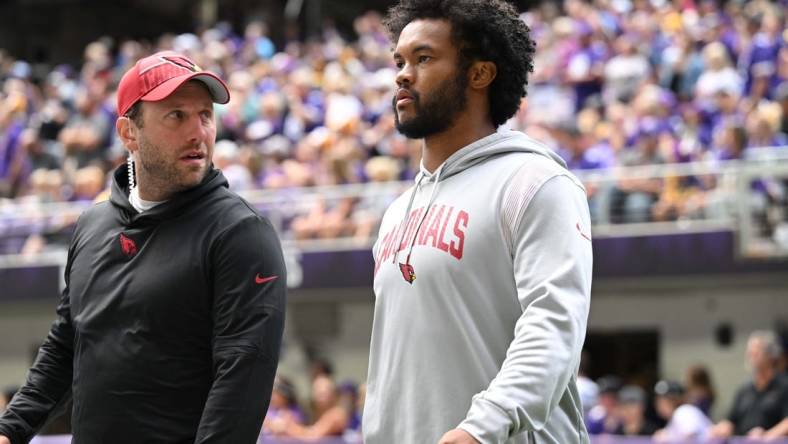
<point x="169" y="328"/>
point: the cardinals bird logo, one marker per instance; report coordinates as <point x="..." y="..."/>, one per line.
<point x="407" y="272"/>
<point x="127" y="245"/>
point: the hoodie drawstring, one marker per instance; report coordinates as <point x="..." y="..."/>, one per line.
<point x="437" y="177"/>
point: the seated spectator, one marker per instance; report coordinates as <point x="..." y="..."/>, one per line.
<point x="602" y="418"/>
<point x="88" y="183"/>
<point x="631" y="411"/>
<point x="718" y="74"/>
<point x="84" y="138"/>
<point x="625" y="72"/>
<point x="586" y="387"/>
<point x="373" y="201"/>
<point x="686" y="423"/>
<point x="331" y="418"/>
<point x="38" y="157"/>
<point x="348" y="399"/>
<point x="700" y="390"/>
<point x="326" y="219"/>
<point x="283" y="407"/>
<point x="633" y="197"/>
<point x="760" y="406"/>
<point x="226" y="157"/>
<point x="320" y="367"/>
<point x="763" y="126"/>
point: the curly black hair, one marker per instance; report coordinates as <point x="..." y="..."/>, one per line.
<point x="487" y="30"/>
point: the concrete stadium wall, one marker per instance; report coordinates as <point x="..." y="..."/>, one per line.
<point x="335" y="324"/>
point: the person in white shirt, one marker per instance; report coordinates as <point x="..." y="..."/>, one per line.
<point x="483" y="267"/>
<point x="686" y="422"/>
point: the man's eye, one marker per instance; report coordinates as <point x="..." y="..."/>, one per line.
<point x="424" y="58"/>
<point x="399" y="64"/>
<point x="176" y="115"/>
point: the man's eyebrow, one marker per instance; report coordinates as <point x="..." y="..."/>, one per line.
<point x="422" y="47"/>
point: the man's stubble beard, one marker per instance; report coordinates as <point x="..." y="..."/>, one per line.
<point x="158" y="172"/>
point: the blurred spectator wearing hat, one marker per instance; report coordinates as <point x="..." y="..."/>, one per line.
<point x="602" y="418"/>
<point x="760" y="407"/>
<point x="686" y="423"/>
<point x="631" y="412"/>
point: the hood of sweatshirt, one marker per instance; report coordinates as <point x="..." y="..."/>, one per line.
<point x="175" y="206"/>
<point x="501" y="142"/>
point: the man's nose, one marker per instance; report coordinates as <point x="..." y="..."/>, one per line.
<point x="198" y="130"/>
<point x="405" y="76"/>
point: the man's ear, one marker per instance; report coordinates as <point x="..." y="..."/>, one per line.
<point x="482" y="74"/>
<point x="127" y="132"/>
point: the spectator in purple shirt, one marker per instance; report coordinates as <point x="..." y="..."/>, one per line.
<point x="585" y="67"/>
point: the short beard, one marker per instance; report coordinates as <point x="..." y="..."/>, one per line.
<point x="152" y="167"/>
<point x="438" y="112"/>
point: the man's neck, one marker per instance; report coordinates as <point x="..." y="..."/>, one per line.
<point x="151" y="191"/>
<point x="438" y="147"/>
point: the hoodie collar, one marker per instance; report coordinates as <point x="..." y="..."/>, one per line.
<point x="119" y="197"/>
<point x="499" y="142"/>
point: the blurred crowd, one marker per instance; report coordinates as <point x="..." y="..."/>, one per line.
<point x="670" y="411"/>
<point x="680" y="411"/>
<point x="616" y="83"/>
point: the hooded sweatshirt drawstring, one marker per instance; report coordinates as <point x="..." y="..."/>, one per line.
<point x="430" y="201"/>
<point x="403" y="225"/>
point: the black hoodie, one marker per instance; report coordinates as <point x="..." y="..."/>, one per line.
<point x="170" y="325"/>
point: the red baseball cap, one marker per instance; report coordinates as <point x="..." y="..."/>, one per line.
<point x="155" y="77"/>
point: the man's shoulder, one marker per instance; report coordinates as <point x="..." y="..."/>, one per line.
<point x="223" y="200"/>
<point x="781" y="383"/>
<point x="532" y="170"/>
<point x="228" y="209"/>
<point x="97" y="214"/>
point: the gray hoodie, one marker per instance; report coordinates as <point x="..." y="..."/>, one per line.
<point x="482" y="285"/>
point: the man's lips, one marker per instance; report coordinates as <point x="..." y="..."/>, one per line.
<point x="193" y="157"/>
<point x="403" y="97"/>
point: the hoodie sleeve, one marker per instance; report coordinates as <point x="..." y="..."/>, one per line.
<point x="48" y="387"/>
<point x="551" y="250"/>
<point x="249" y="286"/>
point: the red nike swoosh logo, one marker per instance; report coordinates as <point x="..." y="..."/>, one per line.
<point x="261" y="280"/>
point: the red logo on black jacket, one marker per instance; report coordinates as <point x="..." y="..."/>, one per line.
<point x="127" y="245"/>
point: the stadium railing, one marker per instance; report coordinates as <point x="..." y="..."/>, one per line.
<point x="748" y="197"/>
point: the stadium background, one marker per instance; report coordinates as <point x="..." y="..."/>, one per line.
<point x="671" y="290"/>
